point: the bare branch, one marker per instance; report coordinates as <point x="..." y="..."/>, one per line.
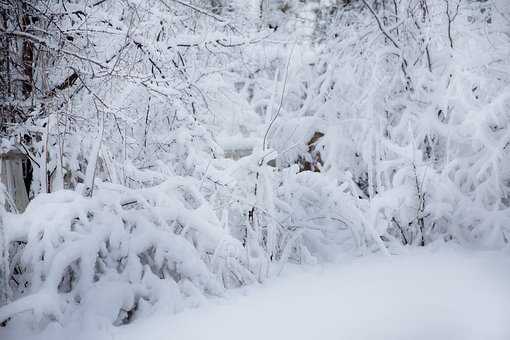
<point x="379" y="23"/>
<point x="45" y="43"/>
<point x="196" y="9"/>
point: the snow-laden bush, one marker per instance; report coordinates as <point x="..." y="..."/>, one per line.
<point x="323" y="213"/>
<point x="118" y="254"/>
<point x="282" y="215"/>
<point x="413" y="102"/>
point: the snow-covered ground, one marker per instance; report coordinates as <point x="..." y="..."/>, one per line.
<point x="445" y="293"/>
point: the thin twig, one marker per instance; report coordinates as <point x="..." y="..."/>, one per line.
<point x="196" y="9"/>
<point x="379" y="23"/>
<point x="281" y="99"/>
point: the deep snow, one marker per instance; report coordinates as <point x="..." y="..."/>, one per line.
<point x="445" y="293"/>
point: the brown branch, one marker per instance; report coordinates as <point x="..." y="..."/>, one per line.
<point x="68" y="82"/>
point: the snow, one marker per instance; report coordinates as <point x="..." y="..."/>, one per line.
<point x="431" y="293"/>
<point x="169" y="142"/>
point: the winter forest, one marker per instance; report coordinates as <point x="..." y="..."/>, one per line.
<point x="255" y="169"/>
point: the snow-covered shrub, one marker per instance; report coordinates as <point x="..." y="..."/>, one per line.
<point x="323" y="214"/>
<point x="119" y="254"/>
<point x="417" y="111"/>
<point x="414" y="115"/>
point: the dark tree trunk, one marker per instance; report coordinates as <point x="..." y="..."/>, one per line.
<point x="27" y="58"/>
